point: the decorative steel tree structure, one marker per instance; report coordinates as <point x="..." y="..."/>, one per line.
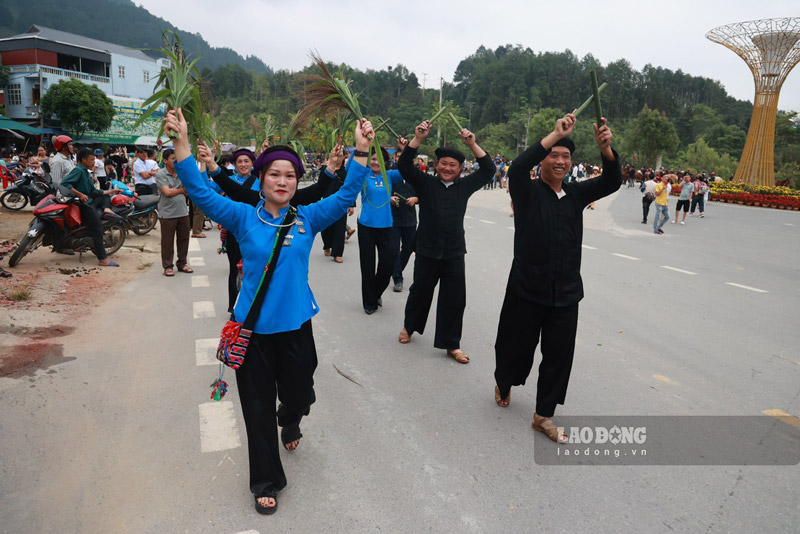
<point x="771" y="48"/>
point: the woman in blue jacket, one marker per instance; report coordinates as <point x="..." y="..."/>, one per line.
<point x="281" y="357"/>
<point x="375" y="233"/>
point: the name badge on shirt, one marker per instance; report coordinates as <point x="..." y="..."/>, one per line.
<point x="378" y="184"/>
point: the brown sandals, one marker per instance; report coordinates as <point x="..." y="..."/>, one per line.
<point x="404" y="337"/>
<point x="458" y="355"/>
<point x="503" y="403"/>
<point x="551" y="432"/>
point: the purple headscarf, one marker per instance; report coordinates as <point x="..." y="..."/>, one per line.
<point x="274" y="153"/>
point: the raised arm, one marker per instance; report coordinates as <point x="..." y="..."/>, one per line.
<point x="321" y="214"/>
<point x="486" y="167"/>
<point x="227" y="212"/>
<point x="405" y="164"/>
<point x="611" y="179"/>
<point x="312" y="193"/>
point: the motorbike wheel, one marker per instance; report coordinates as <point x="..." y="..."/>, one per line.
<point x="26" y="245"/>
<point x="144" y="225"/>
<point x="113" y="237"/>
<point x="13" y="200"/>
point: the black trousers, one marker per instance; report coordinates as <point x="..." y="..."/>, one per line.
<point x="333" y="236"/>
<point x="234" y="256"/>
<point x="645" y="208"/>
<point x="276" y="366"/>
<point x="146" y="189"/>
<point x="451" y="303"/>
<point x="521" y="324"/>
<point x="374" y="282"/>
<point x="698" y="200"/>
<point x="403" y="243"/>
<point x="91" y="218"/>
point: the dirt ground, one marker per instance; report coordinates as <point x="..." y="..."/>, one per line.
<point x="47" y="291"/>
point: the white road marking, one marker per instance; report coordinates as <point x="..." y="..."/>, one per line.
<point x="510" y="227"/>
<point x="746" y="287"/>
<point x="590" y="248"/>
<point x="205" y="351"/>
<point x="248" y="532"/>
<point x="485" y="221"/>
<point x="218" y="430"/>
<point x="194" y="244"/>
<point x="203" y="309"/>
<point x="626" y="257"/>
<point x="789" y="224"/>
<point x="200" y="280"/>
<point x="468" y="217"/>
<point x="197" y="261"/>
<point x="676" y="269"/>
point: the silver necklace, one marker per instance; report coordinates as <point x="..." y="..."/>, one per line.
<point x="258" y="214"/>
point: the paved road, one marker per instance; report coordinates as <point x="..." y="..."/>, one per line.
<point x="121" y="435"/>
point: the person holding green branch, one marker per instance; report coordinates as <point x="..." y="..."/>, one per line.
<point x="441" y="247"/>
<point x="281" y="356"/>
<point x="545" y="286"/>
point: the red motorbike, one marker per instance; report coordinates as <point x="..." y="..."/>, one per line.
<point x="57" y="223"/>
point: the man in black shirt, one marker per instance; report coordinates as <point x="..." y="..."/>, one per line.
<point x="545" y="285"/>
<point x="440" y="245"/>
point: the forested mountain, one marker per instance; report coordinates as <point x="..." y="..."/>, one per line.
<point x="510" y="97"/>
<point x="116" y="21"/>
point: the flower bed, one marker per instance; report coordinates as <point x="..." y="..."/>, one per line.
<point x="750" y="199"/>
<point x="734" y="188"/>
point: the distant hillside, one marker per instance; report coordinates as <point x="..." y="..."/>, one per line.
<point x="115" y="21"/>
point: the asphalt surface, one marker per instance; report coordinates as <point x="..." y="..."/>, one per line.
<point x="121" y="436"/>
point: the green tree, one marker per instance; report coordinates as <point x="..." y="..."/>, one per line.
<point x="701" y="157"/>
<point x="542" y="123"/>
<point x="80" y="107"/>
<point x="497" y="139"/>
<point x="3" y="76"/>
<point x="652" y="135"/>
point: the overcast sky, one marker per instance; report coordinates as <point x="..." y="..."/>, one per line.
<point x="430" y="37"/>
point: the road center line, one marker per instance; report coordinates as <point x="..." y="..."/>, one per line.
<point x="626" y="256"/>
<point x="485" y="221"/>
<point x="200" y="280"/>
<point x="746" y="287"/>
<point x="588" y="247"/>
<point x="789" y="224"/>
<point x="197" y="261"/>
<point x="205" y="351"/>
<point x="510" y="227"/>
<point x="218" y="427"/>
<point x="676" y="269"/>
<point x="194" y="244"/>
<point x="468" y="217"/>
<point x="203" y="309"/>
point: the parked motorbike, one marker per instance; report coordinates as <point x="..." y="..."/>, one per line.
<point x="57" y="221"/>
<point x="29" y="187"/>
<point x="145" y="213"/>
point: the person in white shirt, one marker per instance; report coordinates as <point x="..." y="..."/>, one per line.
<point x="100" y="168"/>
<point x="144" y="174"/>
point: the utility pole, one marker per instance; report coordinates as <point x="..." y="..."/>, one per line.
<point x="438" y="127"/>
<point x="469" y="120"/>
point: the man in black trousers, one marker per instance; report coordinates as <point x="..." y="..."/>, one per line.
<point x="440" y="246"/>
<point x="545" y="285"/>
